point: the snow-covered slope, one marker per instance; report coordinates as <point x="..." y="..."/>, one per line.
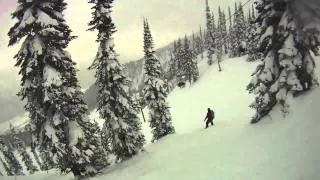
<point x="276" y="148"/>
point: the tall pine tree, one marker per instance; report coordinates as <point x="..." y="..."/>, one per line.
<point x="223" y="30"/>
<point x="180" y="65"/>
<point x="172" y="64"/>
<point x="219" y="38"/>
<point x="288" y="66"/>
<point x="179" y="59"/>
<point x="240" y="27"/>
<point x="155" y="92"/>
<point x="47" y="157"/>
<point x="234" y="41"/>
<point x="98" y="160"/>
<point x="208" y="24"/>
<point x="210" y="41"/>
<point x="49" y="84"/>
<point x="252" y="38"/>
<point x="230" y="31"/>
<point x="189" y="65"/>
<point x="201" y="43"/>
<point x="121" y="132"/>
<point x="224" y="33"/>
<point x="230" y="17"/>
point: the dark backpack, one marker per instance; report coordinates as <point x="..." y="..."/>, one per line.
<point x="212" y="112"/>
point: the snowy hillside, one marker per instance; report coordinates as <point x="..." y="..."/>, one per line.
<point x="276" y="148"/>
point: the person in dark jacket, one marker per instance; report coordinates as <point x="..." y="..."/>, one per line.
<point x="209" y="117"/>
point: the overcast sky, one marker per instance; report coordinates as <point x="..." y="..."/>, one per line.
<point x="168" y="19"/>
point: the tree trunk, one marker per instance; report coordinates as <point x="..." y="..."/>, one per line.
<point x="219" y="58"/>
<point x="144" y="119"/>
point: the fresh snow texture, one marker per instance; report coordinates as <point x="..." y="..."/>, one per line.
<point x="45" y="20"/>
<point x="51" y="76"/>
<point x="275" y="148"/>
<point x="75" y="132"/>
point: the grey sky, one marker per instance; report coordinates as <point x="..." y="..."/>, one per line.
<point x="168" y="19"/>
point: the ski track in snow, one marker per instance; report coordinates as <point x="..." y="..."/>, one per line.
<point x="275" y="148"/>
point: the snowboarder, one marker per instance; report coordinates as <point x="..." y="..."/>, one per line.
<point x="209" y="118"/>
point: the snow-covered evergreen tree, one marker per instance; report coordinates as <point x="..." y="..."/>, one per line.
<point x="230" y="31"/>
<point x="287" y="65"/>
<point x="98" y="160"/>
<point x="175" y="63"/>
<point x="189" y="66"/>
<point x="47" y="158"/>
<point x="196" y="44"/>
<point x="193" y="43"/>
<point x="210" y="40"/>
<point x="252" y="36"/>
<point x="310" y="36"/>
<point x="172" y="65"/>
<point x="49" y="84"/>
<point x="213" y="23"/>
<point x="220" y="39"/>
<point x="12" y="164"/>
<point x="212" y="35"/>
<point x="224" y="32"/>
<point x="121" y="130"/>
<point x="240" y="28"/>
<point x="20" y="146"/>
<point x="201" y="42"/>
<point x="155" y="92"/>
<point x="180" y="64"/>
<point x="238" y="33"/>
<point x="208" y="24"/>
<point x="229" y="18"/>
<point x="234" y="41"/>
<point x="138" y="105"/>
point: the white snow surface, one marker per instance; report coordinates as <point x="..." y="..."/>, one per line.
<point x="276" y="148"/>
<point x="26" y="19"/>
